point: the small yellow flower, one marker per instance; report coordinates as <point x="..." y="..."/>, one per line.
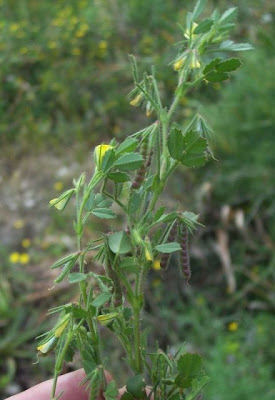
<point x="233" y="326"/>
<point x="102" y="45"/>
<point x="24" y="258"/>
<point x="187" y="33"/>
<point x="137" y="100"/>
<point x="156" y="265"/>
<point x="106" y="318"/>
<point x="14" y="27"/>
<point x="179" y="64"/>
<point x="60" y="205"/>
<point x="23" y="50"/>
<point x="14" y="257"/>
<point x="58" y="332"/>
<point x="18" y="224"/>
<point x="47" y="347"/>
<point x="99" y="153"/>
<point x="52" y="45"/>
<point x="26" y="243"/>
<point x="58" y="186"/>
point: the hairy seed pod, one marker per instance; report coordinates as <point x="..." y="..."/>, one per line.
<point x="186" y="271"/>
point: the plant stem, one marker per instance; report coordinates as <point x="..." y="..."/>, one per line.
<point x="137" y="339"/>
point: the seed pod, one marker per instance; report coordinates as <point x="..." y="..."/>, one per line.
<point x="149" y="160"/>
<point x="186" y="271"/>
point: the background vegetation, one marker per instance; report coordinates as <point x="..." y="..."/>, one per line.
<point x="64" y="83"/>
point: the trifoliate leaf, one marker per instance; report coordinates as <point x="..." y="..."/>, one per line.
<point x="129" y="162"/>
<point x="104" y="213"/>
<point x="76" y="277"/>
<point x="101" y="299"/>
<point x="204" y="26"/>
<point x="127" y="146"/>
<point x="111" y="391"/>
<point x="136" y="386"/>
<point x="229" y="65"/>
<point x="194" y="150"/>
<point x="216" y="76"/>
<point x="118" y="176"/>
<point x="168" y="247"/>
<point x="211" y="66"/>
<point x="189" y="366"/>
<point x="119" y="243"/>
<point x="176" y="143"/>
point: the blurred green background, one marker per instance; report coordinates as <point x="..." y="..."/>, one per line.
<point x="64" y="81"/>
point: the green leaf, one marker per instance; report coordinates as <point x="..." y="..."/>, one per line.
<point x="136" y="386"/>
<point x="101" y="299"/>
<point x="176" y="143"/>
<point x="118" y="176"/>
<point x="229" y="65"/>
<point x="66" y="269"/>
<point x="168" y="217"/>
<point x="159" y="213"/>
<point x="97" y="201"/>
<point x="104" y="213"/>
<point x="229" y="45"/>
<point x="198" y="9"/>
<point x="111" y="391"/>
<point x="204" y="26"/>
<point x="119" y="243"/>
<point x="148" y="183"/>
<point x="76" y="277"/>
<point x="127" y="146"/>
<point x="129" y="162"/>
<point x="211" y="66"/>
<point x="168" y="247"/>
<point x="175" y="396"/>
<point x="194" y="150"/>
<point x="134" y="202"/>
<point x="229" y="15"/>
<point x="216" y="76"/>
<point x="189" y="366"/>
<point x="63" y="261"/>
<point x="130" y="264"/>
<point x="127" y="396"/>
<point x="190" y="219"/>
<point x="108" y="160"/>
<point x="197" y="386"/>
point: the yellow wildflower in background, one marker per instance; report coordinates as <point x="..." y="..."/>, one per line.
<point x="14" y="257"/>
<point x="26" y="243"/>
<point x="102" y="45"/>
<point x="156" y="265"/>
<point x="24" y="258"/>
<point x="233" y="326"/>
<point x="18" y="224"/>
<point x="58" y="186"/>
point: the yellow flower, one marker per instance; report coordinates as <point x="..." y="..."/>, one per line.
<point x="61" y="201"/>
<point x="24" y="258"/>
<point x="99" y="153"/>
<point x="187" y="33"/>
<point x="58" y="332"/>
<point x="233" y="326"/>
<point x="52" y="44"/>
<point x="26" y="243"/>
<point x="106" y="318"/>
<point x="14" y="27"/>
<point x="18" y="224"/>
<point x="102" y="45"/>
<point x="58" y="186"/>
<point x="47" y="347"/>
<point x="14" y="257"/>
<point x="137" y="100"/>
<point x="179" y="64"/>
<point x="24" y="50"/>
<point x="156" y="265"/>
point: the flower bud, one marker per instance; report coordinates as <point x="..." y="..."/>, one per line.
<point x="179" y="64"/>
<point x="105" y="319"/>
<point x="99" y="153"/>
<point x="137" y="100"/>
<point x="61" y="201"/>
